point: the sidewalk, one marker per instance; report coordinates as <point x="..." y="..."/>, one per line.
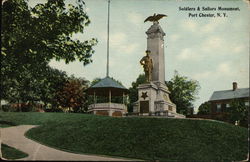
<point x="14" y="137"/>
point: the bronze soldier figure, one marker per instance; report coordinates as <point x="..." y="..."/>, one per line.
<point x="147" y="63"/>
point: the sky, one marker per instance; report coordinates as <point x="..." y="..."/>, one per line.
<point x="212" y="50"/>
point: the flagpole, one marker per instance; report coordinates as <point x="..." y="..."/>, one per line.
<point x="107" y="74"/>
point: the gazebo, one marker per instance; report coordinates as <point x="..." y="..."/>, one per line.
<point x="108" y="88"/>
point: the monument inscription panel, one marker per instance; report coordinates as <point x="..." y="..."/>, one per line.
<point x="144" y="106"/>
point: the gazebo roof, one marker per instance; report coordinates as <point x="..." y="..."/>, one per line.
<point x="105" y="85"/>
<point x="108" y="82"/>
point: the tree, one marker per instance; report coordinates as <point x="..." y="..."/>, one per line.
<point x="44" y="32"/>
<point x="238" y="111"/>
<point x="183" y="92"/>
<point x="96" y="80"/>
<point x="21" y="89"/>
<point x="52" y="81"/>
<point x="72" y="94"/>
<point x="31" y="37"/>
<point x="204" y="108"/>
<point x="32" y="87"/>
<point x="133" y="93"/>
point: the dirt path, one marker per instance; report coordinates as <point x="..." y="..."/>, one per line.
<point x="14" y="137"/>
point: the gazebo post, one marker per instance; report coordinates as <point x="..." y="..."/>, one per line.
<point x="123" y="97"/>
<point x="109" y="96"/>
<point x="110" y="112"/>
<point x="94" y="98"/>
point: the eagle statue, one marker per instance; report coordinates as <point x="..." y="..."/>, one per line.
<point x="155" y="18"/>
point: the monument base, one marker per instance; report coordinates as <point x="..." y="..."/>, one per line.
<point x="153" y="100"/>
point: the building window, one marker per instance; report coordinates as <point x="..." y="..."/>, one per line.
<point x="227" y="105"/>
<point x="247" y="103"/>
<point x="218" y="108"/>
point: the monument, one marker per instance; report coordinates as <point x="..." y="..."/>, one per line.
<point x="153" y="96"/>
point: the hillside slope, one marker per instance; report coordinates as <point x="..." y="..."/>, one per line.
<point x="136" y="137"/>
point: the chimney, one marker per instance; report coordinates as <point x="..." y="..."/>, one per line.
<point x="235" y="86"/>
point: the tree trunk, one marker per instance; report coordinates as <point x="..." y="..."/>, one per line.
<point x="18" y="105"/>
<point x="1" y="106"/>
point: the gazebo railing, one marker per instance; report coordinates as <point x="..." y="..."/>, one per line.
<point x="107" y="106"/>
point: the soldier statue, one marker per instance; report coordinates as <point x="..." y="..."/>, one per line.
<point x="147" y="63"/>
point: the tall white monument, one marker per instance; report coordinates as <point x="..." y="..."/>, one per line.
<point x="155" y="44"/>
<point x="153" y="96"/>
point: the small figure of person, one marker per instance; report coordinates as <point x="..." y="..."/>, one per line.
<point x="147" y="63"/>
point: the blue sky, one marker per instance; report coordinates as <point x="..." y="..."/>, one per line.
<point x="213" y="51"/>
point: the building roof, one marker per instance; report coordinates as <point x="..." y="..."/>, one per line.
<point x="106" y="84"/>
<point x="230" y="94"/>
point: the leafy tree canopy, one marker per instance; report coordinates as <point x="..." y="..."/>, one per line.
<point x="72" y="94"/>
<point x="238" y="111"/>
<point x="44" y="32"/>
<point x="183" y="92"/>
<point x="96" y="80"/>
<point x="204" y="108"/>
<point x="32" y="87"/>
<point x="31" y="37"/>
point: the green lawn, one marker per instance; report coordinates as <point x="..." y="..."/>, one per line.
<point x="134" y="137"/>
<point x="4" y="124"/>
<point x="12" y="153"/>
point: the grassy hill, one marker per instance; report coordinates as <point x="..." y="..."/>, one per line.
<point x="12" y="153"/>
<point x="136" y="137"/>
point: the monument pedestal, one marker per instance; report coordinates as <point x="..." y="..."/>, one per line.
<point x="153" y="100"/>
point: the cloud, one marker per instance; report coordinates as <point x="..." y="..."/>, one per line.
<point x="188" y="54"/>
<point x="129" y="48"/>
<point x="198" y="28"/>
<point x="119" y="41"/>
<point x="222" y="70"/>
<point x="238" y="48"/>
<point x="135" y="18"/>
<point x="217" y="45"/>
<point x="212" y="25"/>
<point x="174" y="37"/>
<point x="203" y="75"/>
<point x="87" y="9"/>
<point x="213" y="43"/>
<point x="189" y="25"/>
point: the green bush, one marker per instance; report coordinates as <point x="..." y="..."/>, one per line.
<point x="9" y="108"/>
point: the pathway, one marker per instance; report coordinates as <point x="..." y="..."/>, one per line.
<point x="14" y="137"/>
